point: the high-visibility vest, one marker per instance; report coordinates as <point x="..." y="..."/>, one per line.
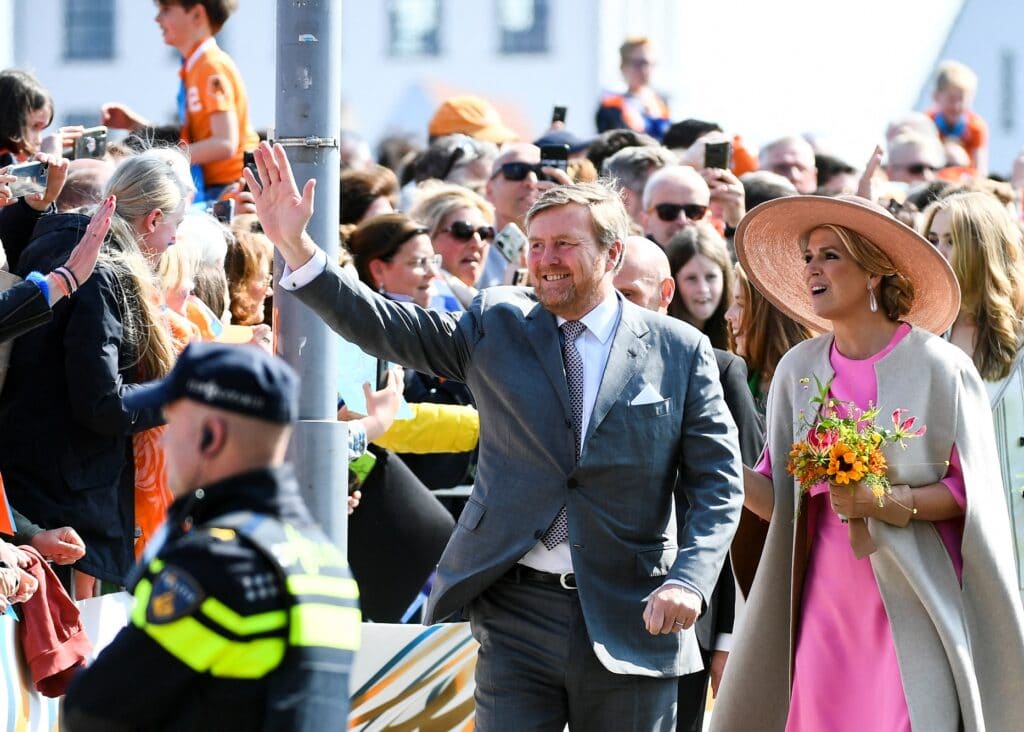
<point x="307" y="648"/>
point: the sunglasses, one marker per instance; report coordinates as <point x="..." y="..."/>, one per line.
<point x="670" y="211"/>
<point x="463" y="231"/>
<point x="919" y="168"/>
<point x="518" y="171"/>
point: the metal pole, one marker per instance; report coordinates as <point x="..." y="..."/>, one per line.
<point x="308" y="124"/>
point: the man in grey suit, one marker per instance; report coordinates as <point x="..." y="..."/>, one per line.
<point x="581" y="588"/>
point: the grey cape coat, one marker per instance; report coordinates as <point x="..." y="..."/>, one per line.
<point x="960" y="648"/>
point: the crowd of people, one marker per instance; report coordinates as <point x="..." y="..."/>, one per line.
<point x="611" y="339"/>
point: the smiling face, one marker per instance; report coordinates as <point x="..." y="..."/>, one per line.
<point x="941" y="235"/>
<point x="570" y="273"/>
<point x="462" y="258"/>
<point x="837" y="284"/>
<point x="699" y="283"/>
<point x="409" y="272"/>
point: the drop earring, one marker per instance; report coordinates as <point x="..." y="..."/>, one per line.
<point x="872" y="302"/>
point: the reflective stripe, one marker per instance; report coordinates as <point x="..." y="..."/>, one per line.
<point x="330" y="626"/>
<point x="312" y="584"/>
<point x="142" y="592"/>
<point x="201" y="649"/>
<point x="243" y="624"/>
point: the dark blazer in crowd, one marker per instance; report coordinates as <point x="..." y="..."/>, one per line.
<point x="721" y="611"/>
<point x="439" y="470"/>
<point x="22" y="308"/>
<point x="65" y="436"/>
<point x="17" y="222"/>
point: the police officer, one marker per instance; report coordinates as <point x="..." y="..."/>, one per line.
<point x="245" y="615"/>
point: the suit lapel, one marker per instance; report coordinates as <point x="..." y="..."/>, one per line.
<point x="624" y="360"/>
<point x="542" y="333"/>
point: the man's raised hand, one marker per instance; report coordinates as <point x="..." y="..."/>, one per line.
<point x="282" y="210"/>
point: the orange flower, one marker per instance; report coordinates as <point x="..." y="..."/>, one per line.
<point x="844" y="464"/>
<point x="876" y="463"/>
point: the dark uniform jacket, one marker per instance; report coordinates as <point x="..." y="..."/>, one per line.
<point x="212" y="596"/>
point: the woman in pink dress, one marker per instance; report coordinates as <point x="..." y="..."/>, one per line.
<point x="873" y="614"/>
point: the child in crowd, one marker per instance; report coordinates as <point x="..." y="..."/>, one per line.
<point x="212" y="101"/>
<point x="955" y="86"/>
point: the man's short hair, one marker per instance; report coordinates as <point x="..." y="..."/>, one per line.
<point x="610" y="142"/>
<point x="632" y="166"/>
<point x="684" y="134"/>
<point x="681" y="173"/>
<point x="763" y="185"/>
<point x="930" y="145"/>
<point x="787" y="141"/>
<point x="608" y="215"/>
<point x="217" y="11"/>
<point x="956" y="75"/>
<point x="631" y="44"/>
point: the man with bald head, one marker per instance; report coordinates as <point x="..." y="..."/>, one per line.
<point x="793" y="158"/>
<point x="645" y="279"/>
<point x="234" y="550"/>
<point x="675" y="196"/>
<point x="914" y="158"/>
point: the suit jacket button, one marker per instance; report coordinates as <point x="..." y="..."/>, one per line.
<point x="568" y="423"/>
<point x="538" y="534"/>
<point x="572" y="483"/>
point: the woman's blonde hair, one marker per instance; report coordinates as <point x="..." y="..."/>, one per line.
<point x="895" y="294"/>
<point x="158" y="178"/>
<point x="989" y="264"/>
<point x="435" y="201"/>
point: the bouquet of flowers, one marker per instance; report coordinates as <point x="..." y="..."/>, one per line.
<point x="843" y="444"/>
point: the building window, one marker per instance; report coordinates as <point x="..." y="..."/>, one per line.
<point x="523" y="25"/>
<point x="414" y="27"/>
<point x="89" y="29"/>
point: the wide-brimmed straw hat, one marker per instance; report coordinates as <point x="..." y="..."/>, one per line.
<point x="768" y="243"/>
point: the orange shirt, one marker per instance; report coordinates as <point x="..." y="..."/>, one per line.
<point x="970" y="131"/>
<point x="213" y="84"/>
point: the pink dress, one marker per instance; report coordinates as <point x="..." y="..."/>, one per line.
<point x="846" y="676"/>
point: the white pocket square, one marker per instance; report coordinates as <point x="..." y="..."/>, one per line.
<point x="647" y="395"/>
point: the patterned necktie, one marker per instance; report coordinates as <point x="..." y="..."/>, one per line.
<point x="571" y="330"/>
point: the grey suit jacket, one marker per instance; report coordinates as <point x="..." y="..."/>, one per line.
<point x="622" y="523"/>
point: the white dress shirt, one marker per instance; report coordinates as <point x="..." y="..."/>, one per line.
<point x="593" y="345"/>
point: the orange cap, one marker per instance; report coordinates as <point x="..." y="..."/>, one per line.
<point x="471" y="116"/>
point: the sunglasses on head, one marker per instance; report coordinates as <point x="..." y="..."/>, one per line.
<point x="463" y="231"/>
<point x="518" y="171"/>
<point x="670" y="211"/>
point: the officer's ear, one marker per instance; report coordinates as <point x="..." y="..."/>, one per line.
<point x="211" y="436"/>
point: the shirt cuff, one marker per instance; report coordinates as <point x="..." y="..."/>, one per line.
<point x="680" y="583"/>
<point x="356" y="439"/>
<point x="723" y="642"/>
<point x="306" y="273"/>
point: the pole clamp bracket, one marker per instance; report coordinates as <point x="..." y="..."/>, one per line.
<point x="310" y="141"/>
